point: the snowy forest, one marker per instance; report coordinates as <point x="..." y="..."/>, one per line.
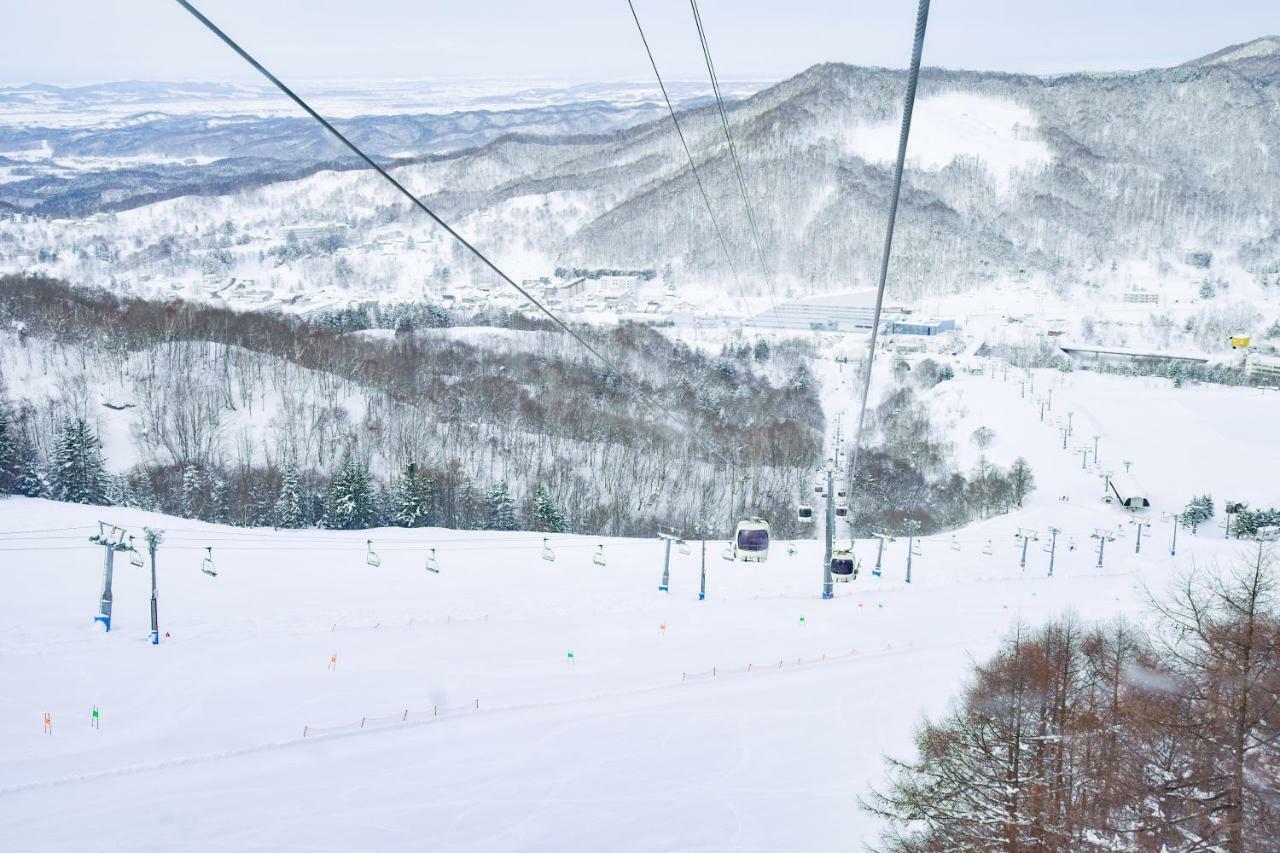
<point x="263" y="419"/>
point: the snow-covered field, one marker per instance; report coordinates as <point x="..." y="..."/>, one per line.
<point x="752" y="720"/>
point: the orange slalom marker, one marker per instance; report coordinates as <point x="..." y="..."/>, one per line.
<point x="333" y="662"/>
<point x="663" y="628"/>
<point x="48" y="723"/>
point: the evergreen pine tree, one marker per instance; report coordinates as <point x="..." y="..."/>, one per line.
<point x="8" y="454"/>
<point x="290" y="508"/>
<point x="79" y="473"/>
<point x="501" y="508"/>
<point x="414" y="497"/>
<point x="32" y="481"/>
<point x="384" y="506"/>
<point x="472" y="512"/>
<point x="189" y="505"/>
<point x="352" y="503"/>
<point x="118" y="491"/>
<point x="547" y="515"/>
<point x="218" y="510"/>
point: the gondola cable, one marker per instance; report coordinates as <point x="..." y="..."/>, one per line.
<point x="733" y="153"/>
<point x="337" y="134"/>
<point x="913" y="77"/>
<point x="706" y="199"/>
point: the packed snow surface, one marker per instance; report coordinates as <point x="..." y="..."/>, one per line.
<point x="510" y="703"/>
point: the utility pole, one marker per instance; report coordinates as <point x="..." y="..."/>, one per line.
<point x="1230" y="508"/>
<point x="1070" y="428"/>
<point x="1084" y="457"/>
<point x="1042" y="407"/>
<point x="879" y="553"/>
<point x="154" y="538"/>
<point x="1053" y="546"/>
<point x="1103" y="536"/>
<point x="1065" y="433"/>
<point x="1137" y="548"/>
<point x="112" y="541"/>
<point x="703" y="530"/>
<point x="828" y="590"/>
<point x="1095" y="448"/>
<point x="1026" y="535"/>
<point x="1173" y="549"/>
<point x="668" y="535"/>
<point x="912" y="527"/>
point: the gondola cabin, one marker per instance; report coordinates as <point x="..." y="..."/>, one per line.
<point x="751" y="541"/>
<point x="844" y="565"/>
<point x="804" y="513"/>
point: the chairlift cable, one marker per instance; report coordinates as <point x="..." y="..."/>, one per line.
<point x="417" y="202"/>
<point x="913" y="77"/>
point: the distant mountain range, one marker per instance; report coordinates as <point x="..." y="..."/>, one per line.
<point x="73" y="151"/>
<point x="1009" y="175"/>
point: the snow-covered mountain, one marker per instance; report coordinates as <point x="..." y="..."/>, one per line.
<point x="1134" y="179"/>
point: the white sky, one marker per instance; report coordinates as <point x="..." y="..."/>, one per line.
<point x="70" y="41"/>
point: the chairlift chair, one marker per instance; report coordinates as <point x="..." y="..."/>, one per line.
<point x="750" y="541"/>
<point x="844" y="565"/>
<point x="206" y="565"/>
<point x="915" y="548"/>
<point x="135" y="557"/>
<point x="547" y="553"/>
<point x="598" y="556"/>
<point x="841" y="494"/>
<point x="987" y="550"/>
<point x="955" y="543"/>
<point x="433" y="565"/>
<point x="804" y="513"/>
<point x="791" y="549"/>
<point x="683" y="546"/>
<point x="371" y="557"/>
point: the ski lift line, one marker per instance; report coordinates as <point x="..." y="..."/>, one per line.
<point x="417" y="202"/>
<point x="733" y="153"/>
<point x="46" y="530"/>
<point x="706" y="199"/>
<point x="908" y="106"/>
<point x="445" y="546"/>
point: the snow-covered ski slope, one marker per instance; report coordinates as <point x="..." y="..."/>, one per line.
<point x="675" y="725"/>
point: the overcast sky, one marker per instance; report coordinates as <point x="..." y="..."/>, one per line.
<point x="76" y="41"/>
